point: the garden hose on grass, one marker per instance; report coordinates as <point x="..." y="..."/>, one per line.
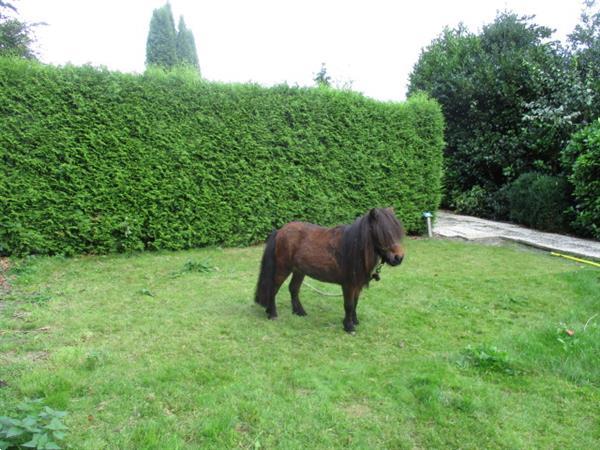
<point x="592" y="263"/>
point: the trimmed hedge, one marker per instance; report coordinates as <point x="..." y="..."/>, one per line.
<point x="94" y="161"/>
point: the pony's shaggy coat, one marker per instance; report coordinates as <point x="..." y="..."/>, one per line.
<point x="346" y="255"/>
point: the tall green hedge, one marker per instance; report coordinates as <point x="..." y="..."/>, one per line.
<point x="93" y="161"/>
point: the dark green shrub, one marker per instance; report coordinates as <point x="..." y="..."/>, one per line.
<point x="499" y="204"/>
<point x="510" y="100"/>
<point x="481" y="202"/>
<point x="581" y="160"/>
<point x="471" y="202"/>
<point x="539" y="201"/>
<point x="94" y="161"/>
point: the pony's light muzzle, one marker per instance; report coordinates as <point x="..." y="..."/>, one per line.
<point x="397" y="260"/>
<point x="393" y="259"/>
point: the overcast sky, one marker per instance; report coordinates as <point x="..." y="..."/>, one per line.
<point x="372" y="43"/>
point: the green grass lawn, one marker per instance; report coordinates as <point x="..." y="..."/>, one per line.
<point x="463" y="346"/>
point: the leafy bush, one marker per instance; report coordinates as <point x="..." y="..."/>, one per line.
<point x="503" y="117"/>
<point x="472" y="202"/>
<point x="539" y="201"/>
<point x="95" y="161"/>
<point x="39" y="427"/>
<point x="511" y="98"/>
<point x="192" y="266"/>
<point x="581" y="160"/>
<point x="488" y="359"/>
<point x="481" y="202"/>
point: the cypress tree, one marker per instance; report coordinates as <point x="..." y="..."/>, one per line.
<point x="161" y="46"/>
<point x="186" y="46"/>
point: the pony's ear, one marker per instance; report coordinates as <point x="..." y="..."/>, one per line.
<point x="373" y="214"/>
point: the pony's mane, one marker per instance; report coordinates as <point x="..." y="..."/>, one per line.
<point x="358" y="255"/>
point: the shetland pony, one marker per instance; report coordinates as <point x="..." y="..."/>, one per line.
<point x="346" y="255"/>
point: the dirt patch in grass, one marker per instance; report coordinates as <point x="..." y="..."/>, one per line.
<point x="13" y="357"/>
<point x="4" y="264"/>
<point x="304" y="392"/>
<point x="243" y="428"/>
<point x="21" y="315"/>
<point x="356" y="410"/>
<point x="5" y="287"/>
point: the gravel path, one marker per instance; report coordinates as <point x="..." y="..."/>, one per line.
<point x="449" y="225"/>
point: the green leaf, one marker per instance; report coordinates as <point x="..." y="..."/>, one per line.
<point x="55" y="425"/>
<point x="58" y="435"/>
<point x="14" y="432"/>
<point x="31" y="424"/>
<point x="33" y="443"/>
<point x="8" y="421"/>
<point x="29" y="405"/>
<point x="42" y="441"/>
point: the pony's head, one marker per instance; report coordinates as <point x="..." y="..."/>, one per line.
<point x="387" y="233"/>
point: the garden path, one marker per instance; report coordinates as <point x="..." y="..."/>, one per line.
<point x="450" y="225"/>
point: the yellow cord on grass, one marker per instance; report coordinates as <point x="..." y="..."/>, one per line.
<point x="592" y="263"/>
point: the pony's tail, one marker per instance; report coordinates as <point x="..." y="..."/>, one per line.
<point x="266" y="279"/>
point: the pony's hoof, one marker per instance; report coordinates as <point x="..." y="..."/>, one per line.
<point x="348" y="327"/>
<point x="272" y="316"/>
<point x="300" y="313"/>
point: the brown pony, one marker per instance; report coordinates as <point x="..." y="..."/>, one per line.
<point x="346" y="255"/>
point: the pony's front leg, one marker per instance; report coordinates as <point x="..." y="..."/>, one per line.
<point x="350" y="296"/>
<point x="354" y="316"/>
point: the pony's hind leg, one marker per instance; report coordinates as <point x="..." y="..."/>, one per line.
<point x="280" y="277"/>
<point x="297" y="279"/>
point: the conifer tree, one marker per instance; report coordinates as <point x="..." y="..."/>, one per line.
<point x="186" y="46"/>
<point x="161" y="45"/>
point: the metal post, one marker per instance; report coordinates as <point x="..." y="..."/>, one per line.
<point x="427" y="216"/>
